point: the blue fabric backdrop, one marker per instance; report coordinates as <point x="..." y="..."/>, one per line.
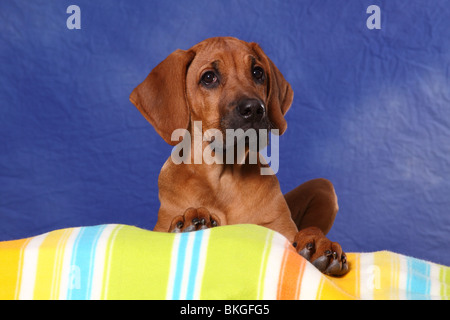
<point x="371" y="111"/>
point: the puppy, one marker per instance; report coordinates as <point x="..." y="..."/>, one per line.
<point x="217" y="85"/>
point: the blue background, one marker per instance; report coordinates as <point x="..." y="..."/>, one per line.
<point x="371" y="111"/>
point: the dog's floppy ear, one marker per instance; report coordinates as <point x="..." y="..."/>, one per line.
<point x="161" y="97"/>
<point x="280" y="93"/>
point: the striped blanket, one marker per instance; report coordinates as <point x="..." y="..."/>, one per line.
<point x="230" y="262"/>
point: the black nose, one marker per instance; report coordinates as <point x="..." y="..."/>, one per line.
<point x="252" y="110"/>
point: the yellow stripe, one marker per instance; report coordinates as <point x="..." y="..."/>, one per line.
<point x="139" y="260"/>
<point x="386" y="273"/>
<point x="11" y="261"/>
<point x="350" y="282"/>
<point x="319" y="295"/>
<point x="356" y="265"/>
<point x="223" y="248"/>
<point x="345" y="287"/>
<point x="328" y="290"/>
<point x="48" y="264"/>
<point x="395" y="265"/>
<point x="380" y="259"/>
<point x="354" y="277"/>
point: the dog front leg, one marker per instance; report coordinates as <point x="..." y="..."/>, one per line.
<point x="194" y="219"/>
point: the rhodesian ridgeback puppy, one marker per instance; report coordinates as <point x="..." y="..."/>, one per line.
<point x="225" y="83"/>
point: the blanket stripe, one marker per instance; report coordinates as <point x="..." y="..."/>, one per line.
<point x="188" y="263"/>
<point x="231" y="262"/>
<point x="83" y="254"/>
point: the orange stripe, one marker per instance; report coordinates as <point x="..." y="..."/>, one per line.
<point x="10" y="265"/>
<point x="300" y="277"/>
<point x="281" y="276"/>
<point x="291" y="273"/>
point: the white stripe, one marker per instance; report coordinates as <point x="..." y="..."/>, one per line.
<point x="402" y="277"/>
<point x="173" y="266"/>
<point x="19" y="272"/>
<point x="201" y="263"/>
<point x="435" y="284"/>
<point x="393" y="274"/>
<point x="66" y="270"/>
<point x="108" y="266"/>
<point x="310" y="282"/>
<point x="60" y="246"/>
<point x="263" y="264"/>
<point x="367" y="276"/>
<point x="273" y="269"/>
<point x="99" y="263"/>
<point x="30" y="259"/>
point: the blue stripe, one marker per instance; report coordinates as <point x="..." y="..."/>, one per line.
<point x="83" y="257"/>
<point x="418" y="283"/>
<point x="180" y="265"/>
<point x="194" y="264"/>
<point x="75" y="277"/>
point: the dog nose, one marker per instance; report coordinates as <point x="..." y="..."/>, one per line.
<point x="252" y="110"/>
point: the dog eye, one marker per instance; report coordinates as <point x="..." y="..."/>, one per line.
<point x="209" y="78"/>
<point x="258" y="73"/>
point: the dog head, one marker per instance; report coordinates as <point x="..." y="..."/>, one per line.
<point x="224" y="82"/>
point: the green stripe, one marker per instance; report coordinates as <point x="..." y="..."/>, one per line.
<point x="445" y="282"/>
<point x="233" y="262"/>
<point x="140" y="264"/>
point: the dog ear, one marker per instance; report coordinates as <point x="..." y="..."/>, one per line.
<point x="161" y="97"/>
<point x="280" y="93"/>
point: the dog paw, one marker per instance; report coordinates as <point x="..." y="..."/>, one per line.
<point x="325" y="255"/>
<point x="194" y="219"/>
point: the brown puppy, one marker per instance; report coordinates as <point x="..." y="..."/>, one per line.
<point x="227" y="83"/>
